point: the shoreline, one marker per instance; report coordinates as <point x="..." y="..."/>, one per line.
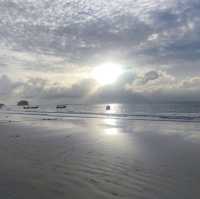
<point x="21" y="117"/>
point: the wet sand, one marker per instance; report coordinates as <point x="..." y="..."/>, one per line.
<point x="99" y="158"/>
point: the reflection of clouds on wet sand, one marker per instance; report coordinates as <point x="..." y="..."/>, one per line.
<point x="113" y="135"/>
<point x="111" y="128"/>
<point x="99" y="158"/>
<point x="111" y="131"/>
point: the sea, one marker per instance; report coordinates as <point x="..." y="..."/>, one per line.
<point x="173" y="111"/>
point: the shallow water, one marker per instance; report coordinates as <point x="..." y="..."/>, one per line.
<point x="186" y="112"/>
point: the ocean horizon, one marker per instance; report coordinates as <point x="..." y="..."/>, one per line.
<point x="173" y="111"/>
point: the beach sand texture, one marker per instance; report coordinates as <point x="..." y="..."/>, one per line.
<point x="99" y="158"/>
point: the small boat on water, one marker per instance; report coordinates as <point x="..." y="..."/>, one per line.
<point x="108" y="107"/>
<point x="31" y="107"/>
<point x="61" y="106"/>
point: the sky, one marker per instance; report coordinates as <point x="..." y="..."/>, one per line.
<point x="49" y="50"/>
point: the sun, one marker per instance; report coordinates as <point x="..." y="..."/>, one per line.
<point x="107" y="73"/>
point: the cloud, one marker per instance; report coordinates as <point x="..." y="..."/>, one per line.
<point x="7" y="86"/>
<point x="150" y="86"/>
<point x="43" y="42"/>
<point x="192" y="83"/>
<point x="81" y="30"/>
<point x="43" y="90"/>
<point x="150" y="76"/>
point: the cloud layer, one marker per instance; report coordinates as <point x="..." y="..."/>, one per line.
<point x="48" y="47"/>
<point x="152" y="86"/>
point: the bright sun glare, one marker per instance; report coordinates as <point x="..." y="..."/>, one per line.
<point x="107" y="73"/>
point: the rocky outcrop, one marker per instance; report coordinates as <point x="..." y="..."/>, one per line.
<point x="23" y="103"/>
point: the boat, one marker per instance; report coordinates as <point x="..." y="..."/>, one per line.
<point x="108" y="107"/>
<point x="31" y="107"/>
<point x="61" y="106"/>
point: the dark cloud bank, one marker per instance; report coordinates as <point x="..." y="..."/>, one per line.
<point x="152" y="87"/>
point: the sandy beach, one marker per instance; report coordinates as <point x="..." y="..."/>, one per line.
<point x="99" y="99"/>
<point x="99" y="158"/>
